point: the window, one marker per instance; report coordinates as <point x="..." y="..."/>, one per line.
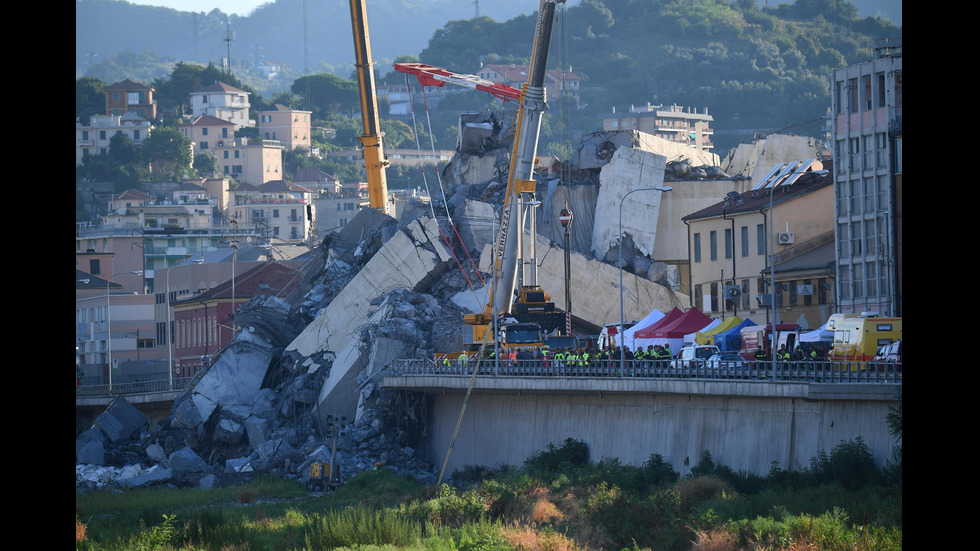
<point x="854" y="148"/>
<point x="94" y="267"/>
<point x="745" y="240"/>
<point x="869" y="151"/>
<point x="84" y="134"/>
<point x="257" y="213"/>
<point x="714" y="297"/>
<point x="745" y="293"/>
<point x="760" y="238"/>
<point x="881" y="143"/>
<point x="856" y="241"/>
<point x="224" y="132"/>
<point x="870" y="279"/>
<point x="226" y="154"/>
<point x="792" y="289"/>
<point x="842" y="240"/>
<point x="237" y="169"/>
<point x="204" y="145"/>
<point x="713" y="244"/>
<point x="697" y="248"/>
<point x="204" y="131"/>
<point x="852" y="92"/>
<point x="729" y="246"/>
<point x="857" y="280"/>
<point x="238" y="153"/>
<point x="881" y="89"/>
<point x="854" y="193"/>
<point x="866" y="96"/>
<point x="808" y="298"/>
<point x="136" y="135"/>
<point x="870" y="236"/>
<point x="869" y="194"/>
<point x="698" y="296"/>
<point x="275" y="213"/>
<point x="101" y="134"/>
<point x="838" y="98"/>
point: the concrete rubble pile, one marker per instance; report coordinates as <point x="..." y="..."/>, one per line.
<point x="307" y="366"/>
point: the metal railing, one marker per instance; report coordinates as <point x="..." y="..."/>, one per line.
<point x="131" y="388"/>
<point x="793" y="371"/>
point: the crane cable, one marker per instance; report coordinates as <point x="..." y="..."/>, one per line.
<point x="425" y="181"/>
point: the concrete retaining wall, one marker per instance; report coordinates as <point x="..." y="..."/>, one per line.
<point x="744" y="433"/>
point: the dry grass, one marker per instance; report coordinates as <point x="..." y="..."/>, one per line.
<point x="80" y="529"/>
<point x="716" y="539"/>
<point x="545" y="511"/>
<point x="246" y="495"/>
<point x="524" y="538"/>
<point x="702" y="488"/>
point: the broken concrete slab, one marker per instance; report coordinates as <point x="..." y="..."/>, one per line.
<point x="235" y="377"/>
<point x="186" y="459"/>
<point x="412" y="258"/>
<point x="153" y="475"/>
<point x="90" y="453"/>
<point x="595" y="287"/>
<point x="627" y="171"/>
<point x="121" y="421"/>
<point x="754" y="160"/>
<point x="258" y="431"/>
<point x="596" y="149"/>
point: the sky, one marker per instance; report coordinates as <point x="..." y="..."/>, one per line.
<point x="231" y="7"/>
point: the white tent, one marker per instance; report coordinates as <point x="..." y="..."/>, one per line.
<point x="650" y="319"/>
<point x="818" y="335"/>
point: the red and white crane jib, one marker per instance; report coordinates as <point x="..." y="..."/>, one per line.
<point x="435" y="76"/>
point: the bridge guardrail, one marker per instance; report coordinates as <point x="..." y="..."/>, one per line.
<point x="141" y="387"/>
<point x="795" y="371"/>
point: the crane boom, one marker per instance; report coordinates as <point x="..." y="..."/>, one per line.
<point x="520" y="184"/>
<point x="375" y="158"/>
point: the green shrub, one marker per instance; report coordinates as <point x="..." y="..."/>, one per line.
<point x="571" y="454"/>
<point x="357" y="526"/>
<point x="850" y="464"/>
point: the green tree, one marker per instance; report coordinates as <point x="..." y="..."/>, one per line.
<point x="167" y="151"/>
<point x="206" y="164"/>
<point x="122" y="150"/>
<point x="89" y="98"/>
<point x="327" y="94"/>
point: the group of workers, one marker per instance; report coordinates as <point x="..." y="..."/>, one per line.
<point x="653" y="356"/>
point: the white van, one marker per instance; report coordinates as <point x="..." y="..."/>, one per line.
<point x="694" y="356"/>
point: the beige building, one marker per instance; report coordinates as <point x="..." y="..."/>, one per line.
<point x="672" y="123"/>
<point x="224" y="102"/>
<point x="289" y="126"/>
<point x="94" y="138"/>
<point x="733" y="242"/>
<point x="276" y="209"/>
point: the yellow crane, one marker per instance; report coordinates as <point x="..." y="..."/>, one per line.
<point x="372" y="141"/>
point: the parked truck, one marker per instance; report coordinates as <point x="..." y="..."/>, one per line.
<point x="858" y="336"/>
<point x="757" y="337"/>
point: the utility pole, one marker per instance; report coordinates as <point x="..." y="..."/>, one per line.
<point x="229" y="38"/>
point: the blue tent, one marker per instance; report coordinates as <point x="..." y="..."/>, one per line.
<point x="731" y="340"/>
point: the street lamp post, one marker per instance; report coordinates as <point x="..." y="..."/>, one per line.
<point x="170" y="334"/>
<point x="772" y="281"/>
<point x="108" y="319"/>
<point x="622" y="336"/>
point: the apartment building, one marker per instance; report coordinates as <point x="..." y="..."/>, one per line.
<point x="222" y="101"/>
<point x="277" y="209"/>
<point x="782" y="226"/>
<point x="290" y="127"/>
<point x="130" y="97"/>
<point x="95" y="137"/>
<point x="867" y="138"/>
<point x="672" y="123"/>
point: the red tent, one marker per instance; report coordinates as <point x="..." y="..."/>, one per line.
<point x="647" y="331"/>
<point x="691" y="321"/>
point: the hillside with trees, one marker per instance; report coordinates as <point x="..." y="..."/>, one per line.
<point x="756" y="69"/>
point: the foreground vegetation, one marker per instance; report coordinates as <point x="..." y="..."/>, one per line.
<point x="558" y="500"/>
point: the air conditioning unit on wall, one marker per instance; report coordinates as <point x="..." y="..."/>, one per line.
<point x="785" y="238"/>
